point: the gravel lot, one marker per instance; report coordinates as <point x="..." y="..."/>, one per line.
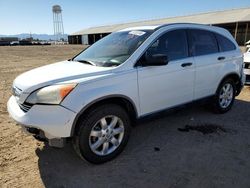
<point x="162" y="152"/>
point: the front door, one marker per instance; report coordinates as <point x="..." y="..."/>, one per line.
<point x="161" y="87"/>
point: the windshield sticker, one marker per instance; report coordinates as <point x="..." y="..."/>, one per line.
<point x="138" y="33"/>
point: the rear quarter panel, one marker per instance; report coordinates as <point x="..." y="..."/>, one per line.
<point x="231" y="65"/>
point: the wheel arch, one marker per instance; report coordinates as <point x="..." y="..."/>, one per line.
<point x="121" y="100"/>
<point x="235" y="77"/>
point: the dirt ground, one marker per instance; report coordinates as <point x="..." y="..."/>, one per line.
<point x="167" y="150"/>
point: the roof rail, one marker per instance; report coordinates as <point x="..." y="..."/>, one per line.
<point x="164" y="25"/>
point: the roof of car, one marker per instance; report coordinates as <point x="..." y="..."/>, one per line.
<point x="155" y="27"/>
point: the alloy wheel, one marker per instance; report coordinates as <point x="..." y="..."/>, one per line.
<point x="226" y="95"/>
<point x="106" y="135"/>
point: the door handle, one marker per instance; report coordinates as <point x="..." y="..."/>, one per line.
<point x="221" y="58"/>
<point x="186" y="64"/>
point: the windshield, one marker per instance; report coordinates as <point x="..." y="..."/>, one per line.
<point x="114" y="49"/>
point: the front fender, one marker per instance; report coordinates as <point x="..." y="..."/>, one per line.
<point x="124" y="84"/>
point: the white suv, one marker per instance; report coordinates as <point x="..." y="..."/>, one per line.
<point x="94" y="97"/>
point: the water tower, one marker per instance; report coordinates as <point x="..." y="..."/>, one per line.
<point x="58" y="22"/>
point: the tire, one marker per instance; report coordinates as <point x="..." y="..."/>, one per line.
<point x="221" y="95"/>
<point x="108" y="125"/>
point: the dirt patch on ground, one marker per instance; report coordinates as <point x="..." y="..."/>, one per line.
<point x="18" y="160"/>
<point x="157" y="155"/>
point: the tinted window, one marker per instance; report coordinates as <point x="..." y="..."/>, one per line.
<point x="202" y="42"/>
<point x="225" y="44"/>
<point x="173" y="44"/>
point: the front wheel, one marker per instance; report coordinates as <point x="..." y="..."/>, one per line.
<point x="103" y="133"/>
<point x="225" y="96"/>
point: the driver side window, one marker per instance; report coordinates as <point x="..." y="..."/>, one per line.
<point x="173" y="44"/>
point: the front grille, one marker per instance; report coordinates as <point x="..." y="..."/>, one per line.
<point x="16" y="91"/>
<point x="25" y="107"/>
<point x="246" y="65"/>
<point x="248" y="79"/>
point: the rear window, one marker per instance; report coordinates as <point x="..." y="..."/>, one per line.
<point x="225" y="44"/>
<point x="202" y="42"/>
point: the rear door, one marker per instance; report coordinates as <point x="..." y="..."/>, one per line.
<point x="208" y="61"/>
<point x="165" y="86"/>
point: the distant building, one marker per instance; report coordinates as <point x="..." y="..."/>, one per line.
<point x="236" y="21"/>
<point x="4" y="41"/>
<point x="8" y="39"/>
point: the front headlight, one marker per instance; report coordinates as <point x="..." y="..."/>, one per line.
<point x="51" y="94"/>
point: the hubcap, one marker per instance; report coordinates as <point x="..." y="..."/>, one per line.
<point x="226" y="95"/>
<point x="106" y="135"/>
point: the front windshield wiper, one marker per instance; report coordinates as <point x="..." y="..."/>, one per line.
<point x="86" y="62"/>
<point x="110" y="64"/>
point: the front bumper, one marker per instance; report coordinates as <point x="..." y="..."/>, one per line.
<point x="54" y="120"/>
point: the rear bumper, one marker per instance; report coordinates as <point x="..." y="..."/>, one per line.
<point x="54" y="120"/>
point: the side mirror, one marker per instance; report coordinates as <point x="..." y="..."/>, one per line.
<point x="156" y="60"/>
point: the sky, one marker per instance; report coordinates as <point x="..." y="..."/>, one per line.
<point x="35" y="16"/>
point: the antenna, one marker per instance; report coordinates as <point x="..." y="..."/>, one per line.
<point x="58" y="22"/>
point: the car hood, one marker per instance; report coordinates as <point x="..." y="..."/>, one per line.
<point x="64" y="71"/>
<point x="247" y="57"/>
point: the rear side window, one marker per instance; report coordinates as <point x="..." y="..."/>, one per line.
<point x="202" y="42"/>
<point x="225" y="44"/>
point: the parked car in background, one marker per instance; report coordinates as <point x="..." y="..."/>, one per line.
<point x="95" y="97"/>
<point x="247" y="65"/>
<point x="14" y="43"/>
<point x="247" y="44"/>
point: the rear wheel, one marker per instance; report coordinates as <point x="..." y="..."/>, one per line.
<point x="103" y="133"/>
<point x="225" y="96"/>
